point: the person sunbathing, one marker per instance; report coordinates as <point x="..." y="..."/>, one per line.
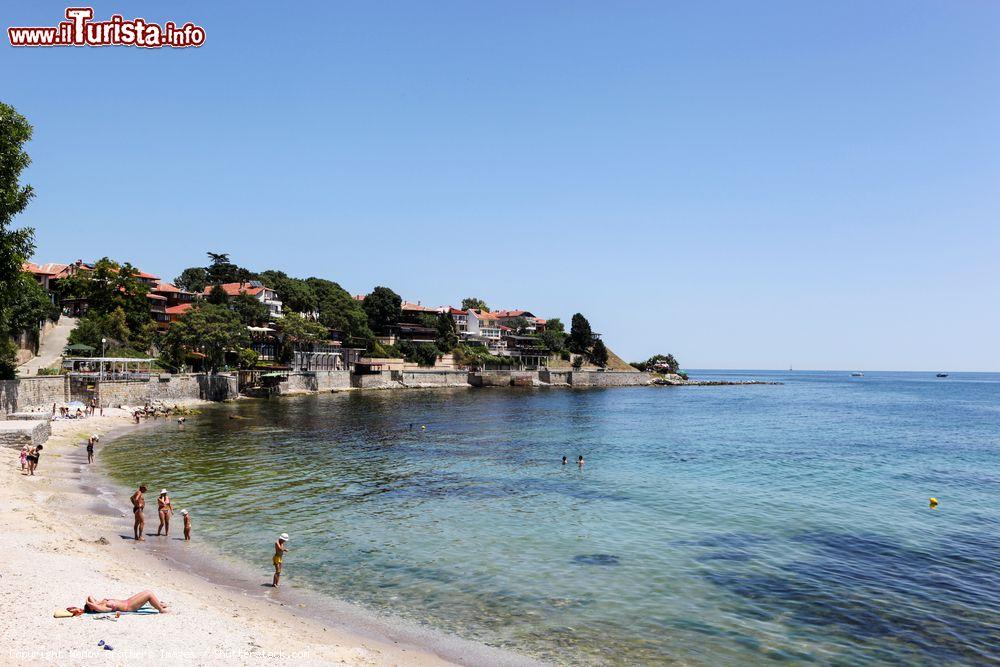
<point x="95" y="606"/>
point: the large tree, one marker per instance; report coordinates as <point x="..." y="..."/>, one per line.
<point x="295" y="294"/>
<point x="447" y="333"/>
<point x="193" y="279"/>
<point x="16" y="245"/>
<point x="599" y="354"/>
<point x="341" y="312"/>
<point x="475" y="303"/>
<point x="251" y="310"/>
<point x="220" y="270"/>
<point x="383" y="307"/>
<point x="580" y="335"/>
<point x="207" y="329"/>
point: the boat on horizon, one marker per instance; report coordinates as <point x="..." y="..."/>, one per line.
<point x="857" y="374"/>
<point x="942" y="375"/>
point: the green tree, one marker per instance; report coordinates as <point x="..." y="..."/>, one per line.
<point x="209" y="329"/>
<point x="519" y="324"/>
<point x="298" y="329"/>
<point x="339" y="311"/>
<point x="220" y="270"/>
<point x="447" y="333"/>
<point x="554" y="341"/>
<point x="599" y="354"/>
<point x="295" y="294"/>
<point x="30" y="306"/>
<point x="580" y="335"/>
<point x="383" y="309"/>
<point x="556" y="325"/>
<point x="108" y="287"/>
<point x="252" y="312"/>
<point x="193" y="279"/>
<point x="16" y="245"/>
<point x="217" y="296"/>
<point x="660" y="363"/>
<point x="475" y="303"/>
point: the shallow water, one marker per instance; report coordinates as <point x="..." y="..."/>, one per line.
<point x="710" y="525"/>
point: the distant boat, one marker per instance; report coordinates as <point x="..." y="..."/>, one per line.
<point x="942" y="375"/>
<point x="857" y="374"/>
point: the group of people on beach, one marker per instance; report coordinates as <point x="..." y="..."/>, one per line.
<point x="29" y="458"/>
<point x="165" y="510"/>
<point x="67" y="412"/>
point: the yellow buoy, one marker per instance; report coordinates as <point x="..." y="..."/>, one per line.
<point x="424" y="427"/>
<point x="934" y="502"/>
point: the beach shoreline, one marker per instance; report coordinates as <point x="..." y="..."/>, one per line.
<point x="66" y="536"/>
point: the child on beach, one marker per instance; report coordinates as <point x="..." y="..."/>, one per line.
<point x="279" y="551"/>
<point x="187" y="525"/>
<point x="24" y="459"/>
<point x="90" y="449"/>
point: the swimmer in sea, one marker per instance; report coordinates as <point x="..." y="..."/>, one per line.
<point x="279" y="552"/>
<point x="579" y="460"/>
<point x="565" y="460"/>
<point x="138" y="504"/>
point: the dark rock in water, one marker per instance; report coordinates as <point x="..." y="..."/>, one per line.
<point x="596" y="559"/>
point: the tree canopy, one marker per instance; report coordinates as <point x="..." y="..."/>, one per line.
<point x="16" y="245"/>
<point x="207" y="329"/>
<point x="383" y="309"/>
<point x="193" y="279"/>
<point x="663" y="363"/>
<point x="475" y="303"/>
<point x="599" y="354"/>
<point x="580" y="335"/>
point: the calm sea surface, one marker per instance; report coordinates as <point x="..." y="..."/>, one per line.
<point x="710" y="525"/>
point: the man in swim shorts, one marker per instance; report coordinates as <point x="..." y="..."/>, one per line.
<point x="279" y="552"/>
<point x="138" y="504"/>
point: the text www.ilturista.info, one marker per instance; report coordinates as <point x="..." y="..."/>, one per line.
<point x="80" y="30"/>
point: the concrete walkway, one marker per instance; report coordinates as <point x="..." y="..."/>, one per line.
<point x="50" y="350"/>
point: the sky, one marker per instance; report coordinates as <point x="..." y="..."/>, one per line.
<point x="744" y="185"/>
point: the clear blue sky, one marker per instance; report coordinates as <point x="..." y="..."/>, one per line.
<point x="746" y="185"/>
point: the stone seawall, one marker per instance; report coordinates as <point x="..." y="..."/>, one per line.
<point x="113" y="393"/>
<point x="31" y="392"/>
<point x="430" y="378"/>
<point x="609" y="379"/>
<point x="307" y="382"/>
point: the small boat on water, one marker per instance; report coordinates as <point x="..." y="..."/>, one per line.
<point x="857" y="374"/>
<point x="942" y="375"/>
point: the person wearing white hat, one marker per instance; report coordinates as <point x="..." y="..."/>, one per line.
<point x="279" y="552"/>
<point x="187" y="525"/>
<point x="165" y="510"/>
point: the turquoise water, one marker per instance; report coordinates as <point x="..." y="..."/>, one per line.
<point x="710" y="525"/>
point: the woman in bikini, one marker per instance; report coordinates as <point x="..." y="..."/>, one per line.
<point x="95" y="606"/>
<point x="165" y="509"/>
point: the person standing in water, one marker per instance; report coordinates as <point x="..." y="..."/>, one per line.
<point x="565" y="460"/>
<point x="164" y="509"/>
<point x="138" y="505"/>
<point x="579" y="460"/>
<point x="279" y="551"/>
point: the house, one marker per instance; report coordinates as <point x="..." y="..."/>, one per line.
<point x="174" y="295"/>
<point x="510" y="317"/>
<point x="264" y="294"/>
<point x="176" y="312"/>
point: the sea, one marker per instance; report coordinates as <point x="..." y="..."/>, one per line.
<point x="708" y="525"/>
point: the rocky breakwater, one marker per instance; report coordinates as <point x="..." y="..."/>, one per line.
<point x="674" y="380"/>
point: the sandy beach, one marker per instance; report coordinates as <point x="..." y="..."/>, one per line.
<point x="60" y="547"/>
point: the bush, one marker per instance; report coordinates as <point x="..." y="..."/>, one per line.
<point x="49" y="371"/>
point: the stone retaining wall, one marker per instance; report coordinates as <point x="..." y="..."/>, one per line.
<point x="113" y="393"/>
<point x="29" y="392"/>
<point x="434" y="378"/>
<point x="19" y="433"/>
<point x="609" y="379"/>
<point x="307" y="382"/>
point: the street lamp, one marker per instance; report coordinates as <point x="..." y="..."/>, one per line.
<point x="104" y="342"/>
